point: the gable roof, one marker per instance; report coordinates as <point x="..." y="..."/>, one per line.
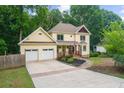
<point x="40" y="28"/>
<point x="68" y="28"/>
<point x="63" y="27"/>
<point x="83" y="29"/>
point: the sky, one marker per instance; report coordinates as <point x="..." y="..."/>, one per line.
<point x="117" y="9"/>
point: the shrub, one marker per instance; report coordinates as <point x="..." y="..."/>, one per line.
<point x="63" y="59"/>
<point x="103" y="55"/>
<point x="94" y="54"/>
<point x="69" y="56"/>
<point x="119" y="59"/>
<point x="70" y="60"/>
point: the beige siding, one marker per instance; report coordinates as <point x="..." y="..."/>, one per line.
<point x="54" y="35"/>
<point x="39" y="36"/>
<point x="67" y="37"/>
<point x="87" y="52"/>
<point x="39" y="47"/>
<point x="77" y="38"/>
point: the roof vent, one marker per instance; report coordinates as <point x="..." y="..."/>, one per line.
<point x="40" y="33"/>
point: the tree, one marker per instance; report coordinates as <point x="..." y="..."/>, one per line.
<point x="10" y="26"/>
<point x="67" y="18"/>
<point x="41" y="17"/>
<point x="54" y="17"/>
<point x="94" y="18"/>
<point x="113" y="39"/>
<point x="108" y="17"/>
<point x="3" y="47"/>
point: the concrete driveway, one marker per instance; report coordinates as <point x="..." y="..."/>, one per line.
<point x="54" y="74"/>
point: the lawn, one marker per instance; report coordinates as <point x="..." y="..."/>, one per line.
<point x="102" y="61"/>
<point x="15" y="78"/>
<point x="106" y="66"/>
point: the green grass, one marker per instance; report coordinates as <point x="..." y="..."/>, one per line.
<point x="95" y="60"/>
<point x="15" y="78"/>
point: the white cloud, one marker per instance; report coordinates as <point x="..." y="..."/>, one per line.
<point x="64" y="7"/>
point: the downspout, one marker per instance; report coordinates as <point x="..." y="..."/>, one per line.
<point x="74" y="44"/>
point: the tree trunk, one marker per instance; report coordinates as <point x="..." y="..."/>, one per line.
<point x="20" y="36"/>
<point x="21" y="15"/>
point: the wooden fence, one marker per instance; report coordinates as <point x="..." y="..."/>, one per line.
<point x="11" y="61"/>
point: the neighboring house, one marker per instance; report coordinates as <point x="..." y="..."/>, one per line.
<point x="63" y="39"/>
<point x="100" y="49"/>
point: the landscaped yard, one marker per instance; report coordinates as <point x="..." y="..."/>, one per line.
<point x="106" y="66"/>
<point x="15" y="78"/>
<point x="72" y="60"/>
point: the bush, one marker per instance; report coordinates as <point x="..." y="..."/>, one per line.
<point x="70" y="60"/>
<point x="63" y="59"/>
<point x="94" y="54"/>
<point x="110" y="54"/>
<point x="119" y="59"/>
<point x="67" y="59"/>
<point x="104" y="55"/>
<point x="69" y="56"/>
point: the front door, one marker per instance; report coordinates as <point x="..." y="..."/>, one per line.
<point x="71" y="50"/>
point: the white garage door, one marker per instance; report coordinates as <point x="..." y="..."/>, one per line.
<point x="31" y="55"/>
<point x="47" y="54"/>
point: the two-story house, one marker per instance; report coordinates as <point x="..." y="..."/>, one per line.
<point x="63" y="39"/>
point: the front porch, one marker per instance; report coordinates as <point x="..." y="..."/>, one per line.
<point x="72" y="50"/>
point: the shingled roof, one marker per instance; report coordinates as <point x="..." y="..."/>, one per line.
<point x="66" y="28"/>
<point x="63" y="27"/>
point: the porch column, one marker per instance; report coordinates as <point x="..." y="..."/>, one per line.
<point x="74" y="49"/>
<point x="77" y="48"/>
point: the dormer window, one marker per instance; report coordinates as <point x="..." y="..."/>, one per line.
<point x="82" y="38"/>
<point x="60" y="37"/>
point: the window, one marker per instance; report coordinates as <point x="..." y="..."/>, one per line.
<point x="45" y="49"/>
<point x="84" y="48"/>
<point x="82" y="38"/>
<point x="50" y="49"/>
<point x="34" y="49"/>
<point x="60" y="37"/>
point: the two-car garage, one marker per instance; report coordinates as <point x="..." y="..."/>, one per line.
<point x="38" y="46"/>
<point x="39" y="54"/>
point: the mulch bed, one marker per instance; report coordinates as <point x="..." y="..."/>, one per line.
<point x="78" y="62"/>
